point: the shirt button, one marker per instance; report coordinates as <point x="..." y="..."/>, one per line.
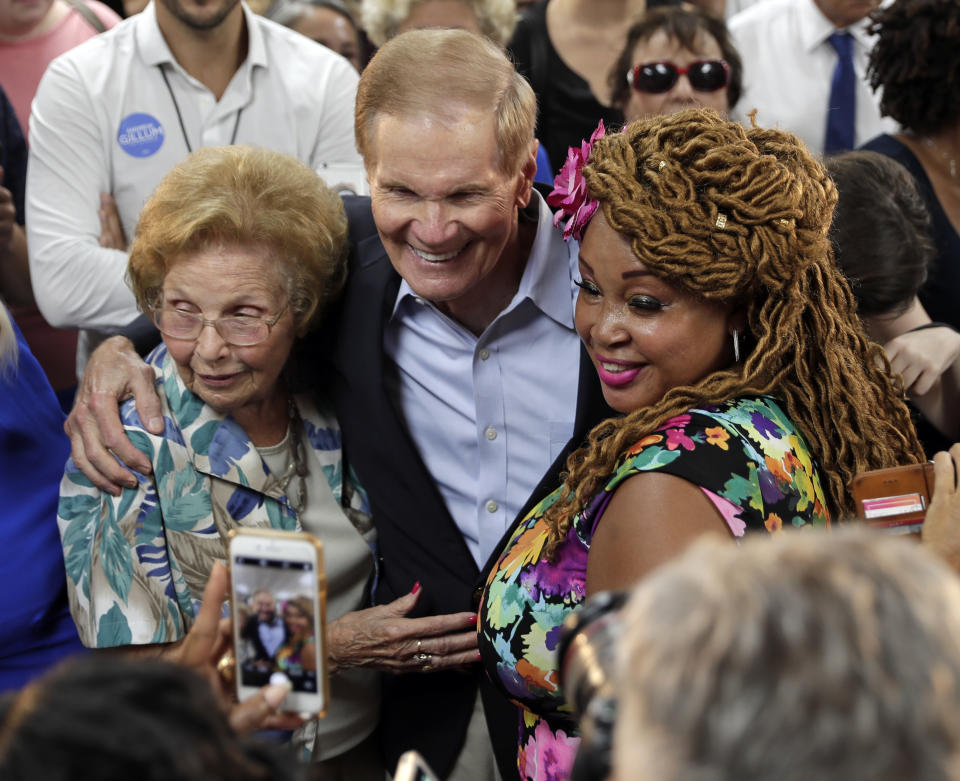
<point x="420" y="301"/>
<point x="492" y="506"/>
<point x="484" y="354"/>
<point x="491" y="433"/>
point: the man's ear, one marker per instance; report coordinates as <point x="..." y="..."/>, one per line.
<point x="525" y="177"/>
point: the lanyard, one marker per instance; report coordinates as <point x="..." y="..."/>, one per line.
<point x="183" y="130"/>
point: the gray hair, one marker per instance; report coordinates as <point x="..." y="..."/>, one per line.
<point x="828" y="656"/>
<point x="382" y="18"/>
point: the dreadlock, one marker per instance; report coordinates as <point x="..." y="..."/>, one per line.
<point x="742" y="216"/>
<point x="916" y="60"/>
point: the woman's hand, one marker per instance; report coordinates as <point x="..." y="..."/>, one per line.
<point x="921" y="357"/>
<point x="941" y="529"/>
<point x="382" y="638"/>
<point x="114" y="372"/>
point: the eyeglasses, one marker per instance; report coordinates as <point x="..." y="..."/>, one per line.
<point x="657" y="77"/>
<point x="245" y="331"/>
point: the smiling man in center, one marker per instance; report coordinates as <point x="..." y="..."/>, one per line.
<point x="466" y="296"/>
<point x="455" y="369"/>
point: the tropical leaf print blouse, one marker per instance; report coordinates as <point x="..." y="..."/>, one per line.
<point x="137" y="563"/>
<point x="747" y="458"/>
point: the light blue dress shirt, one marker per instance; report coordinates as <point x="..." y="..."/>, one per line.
<point x="489" y="414"/>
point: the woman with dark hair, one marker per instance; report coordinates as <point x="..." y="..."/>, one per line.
<point x="916" y="63"/>
<point x="328" y="22"/>
<point x="727" y="338"/>
<point x="115" y="719"/>
<point x="676" y="57"/>
<point x="565" y="49"/>
<point x="881" y="237"/>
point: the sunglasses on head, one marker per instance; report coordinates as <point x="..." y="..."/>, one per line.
<point x="655" y="77"/>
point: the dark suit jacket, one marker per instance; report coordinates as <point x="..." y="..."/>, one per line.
<point x="251" y="632"/>
<point x="418" y="539"/>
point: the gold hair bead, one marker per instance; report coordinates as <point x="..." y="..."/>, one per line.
<point x="721" y="221"/>
<point x="663" y="164"/>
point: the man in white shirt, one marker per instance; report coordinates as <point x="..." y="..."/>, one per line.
<point x="789" y="63"/>
<point x="113" y="115"/>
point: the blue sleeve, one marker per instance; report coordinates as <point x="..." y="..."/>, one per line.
<point x="36" y="630"/>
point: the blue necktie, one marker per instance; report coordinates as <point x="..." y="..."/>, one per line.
<point x="842" y="109"/>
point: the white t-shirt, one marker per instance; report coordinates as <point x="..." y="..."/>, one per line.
<point x="104" y="121"/>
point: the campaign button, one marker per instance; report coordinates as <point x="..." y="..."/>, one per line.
<point x="140" y="135"/>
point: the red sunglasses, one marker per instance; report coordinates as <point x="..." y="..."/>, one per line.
<point x="657" y="77"/>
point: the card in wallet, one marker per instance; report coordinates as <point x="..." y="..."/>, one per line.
<point x="895" y="499"/>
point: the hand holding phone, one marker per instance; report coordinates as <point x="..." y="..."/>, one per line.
<point x="941" y="531"/>
<point x="278" y="598"/>
<point x="204" y="646"/>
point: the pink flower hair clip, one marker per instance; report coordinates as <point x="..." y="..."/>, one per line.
<point x="569" y="194"/>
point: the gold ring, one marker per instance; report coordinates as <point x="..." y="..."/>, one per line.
<point x="226" y="668"/>
<point x="423" y="659"/>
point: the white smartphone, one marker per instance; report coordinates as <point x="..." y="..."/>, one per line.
<point x="278" y="601"/>
<point x="413" y="767"/>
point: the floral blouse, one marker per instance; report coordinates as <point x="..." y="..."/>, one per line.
<point x="137" y="563"/>
<point x="747" y="458"/>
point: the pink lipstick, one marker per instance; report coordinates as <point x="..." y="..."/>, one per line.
<point x="616" y="379"/>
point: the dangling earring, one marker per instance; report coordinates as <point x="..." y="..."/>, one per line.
<point x="736" y="346"/>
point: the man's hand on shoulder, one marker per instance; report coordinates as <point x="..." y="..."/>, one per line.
<point x="115" y="372"/>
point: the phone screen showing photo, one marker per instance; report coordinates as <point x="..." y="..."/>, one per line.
<point x="277" y="634"/>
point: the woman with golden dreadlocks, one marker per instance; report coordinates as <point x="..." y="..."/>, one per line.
<point x="723" y="332"/>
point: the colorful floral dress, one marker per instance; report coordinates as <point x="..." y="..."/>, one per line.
<point x="747" y="458"/>
<point x="289" y="656"/>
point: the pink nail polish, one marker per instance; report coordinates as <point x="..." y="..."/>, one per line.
<point x="416" y="587"/>
<point x="473" y="619"/>
<point x="479" y="656"/>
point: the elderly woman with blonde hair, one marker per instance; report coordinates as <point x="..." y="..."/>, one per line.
<point x="237" y="255"/>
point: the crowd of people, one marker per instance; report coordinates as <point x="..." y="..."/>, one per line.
<point x="508" y="306"/>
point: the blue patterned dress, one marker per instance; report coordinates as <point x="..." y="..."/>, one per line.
<point x="747" y="458"/>
<point x="137" y="563"/>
